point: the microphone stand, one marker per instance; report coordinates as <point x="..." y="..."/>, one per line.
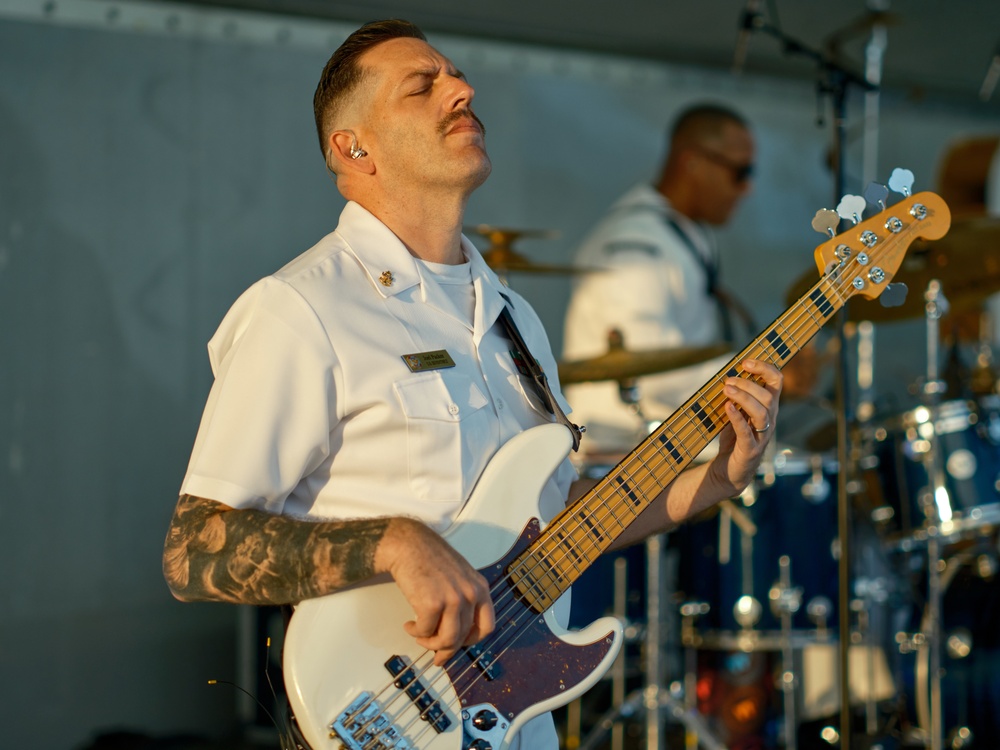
<point x="835" y="81"/>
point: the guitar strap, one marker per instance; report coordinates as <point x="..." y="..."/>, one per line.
<point x="538" y="378"/>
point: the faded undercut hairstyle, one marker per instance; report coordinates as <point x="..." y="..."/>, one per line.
<point x="342" y="74"/>
<point x="703" y="121"/>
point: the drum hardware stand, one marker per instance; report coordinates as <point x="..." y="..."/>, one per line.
<point x="652" y="698"/>
<point x="860" y="607"/>
<point x="785" y="602"/>
<point x="610" y="721"/>
<point x="690" y="612"/>
<point x="938" y="510"/>
<point x="866" y="372"/>
<point x="638" y="701"/>
<point x="919" y="643"/>
<point x="835" y="81"/>
<point x="618" y="668"/>
<point x="653" y="694"/>
<point x="747" y="610"/>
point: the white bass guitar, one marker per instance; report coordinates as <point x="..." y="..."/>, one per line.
<point x="354" y="678"/>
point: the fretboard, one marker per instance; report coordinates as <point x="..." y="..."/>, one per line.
<point x="583" y="531"/>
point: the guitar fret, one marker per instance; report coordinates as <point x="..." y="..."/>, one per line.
<point x="817" y="321"/>
<point x="791" y="339"/>
<point x="569" y="548"/>
<point x="629" y="492"/>
<point x="821" y="302"/>
<point x="551" y="574"/>
<point x="765" y="354"/>
<point x="702" y="416"/>
<point x="608" y="508"/>
<point x="593" y="529"/>
<point x="668" y="445"/>
<point x="667" y="457"/>
<point x="778" y="344"/>
<point x="832" y="288"/>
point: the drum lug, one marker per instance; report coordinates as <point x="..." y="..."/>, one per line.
<point x="909" y="643"/>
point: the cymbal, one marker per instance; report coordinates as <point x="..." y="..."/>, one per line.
<point x="966" y="261"/>
<point x="502" y="258"/>
<point x="620" y="364"/>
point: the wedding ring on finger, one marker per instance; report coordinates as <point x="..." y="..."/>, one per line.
<point x="765" y="428"/>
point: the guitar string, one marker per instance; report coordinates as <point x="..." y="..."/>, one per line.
<point x="619" y="494"/>
<point x="681" y="434"/>
<point x="688" y="424"/>
<point x="812" y="324"/>
<point x="805" y="321"/>
<point x="800" y="318"/>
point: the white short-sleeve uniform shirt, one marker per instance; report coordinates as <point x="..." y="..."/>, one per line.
<point x="314" y="413"/>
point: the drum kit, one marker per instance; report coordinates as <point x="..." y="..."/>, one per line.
<point x="732" y="621"/>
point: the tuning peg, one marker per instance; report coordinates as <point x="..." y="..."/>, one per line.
<point x="876" y="194"/>
<point x="893" y="295"/>
<point x="851" y="207"/>
<point x="900" y="181"/>
<point x="826" y="222"/>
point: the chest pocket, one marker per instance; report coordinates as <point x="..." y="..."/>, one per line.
<point x="449" y="433"/>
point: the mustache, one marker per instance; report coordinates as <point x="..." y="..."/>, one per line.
<point x="460" y="114"/>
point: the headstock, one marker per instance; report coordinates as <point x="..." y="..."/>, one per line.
<point x="863" y="259"/>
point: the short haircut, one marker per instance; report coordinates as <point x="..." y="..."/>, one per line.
<point x="702" y="121"/>
<point x="343" y="74"/>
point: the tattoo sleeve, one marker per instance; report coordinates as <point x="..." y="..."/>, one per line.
<point x="215" y="553"/>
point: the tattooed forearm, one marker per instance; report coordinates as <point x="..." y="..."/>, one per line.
<point x="215" y="553"/>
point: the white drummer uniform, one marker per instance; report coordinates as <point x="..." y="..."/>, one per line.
<point x="314" y="413"/>
<point x="654" y="289"/>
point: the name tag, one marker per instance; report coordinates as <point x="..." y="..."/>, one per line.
<point x="423" y="361"/>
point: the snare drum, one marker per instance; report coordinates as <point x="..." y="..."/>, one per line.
<point x="899" y="462"/>
<point x="792" y="510"/>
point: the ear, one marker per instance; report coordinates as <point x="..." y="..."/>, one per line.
<point x="345" y="153"/>
<point x="687" y="160"/>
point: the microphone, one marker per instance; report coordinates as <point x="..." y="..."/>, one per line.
<point x="992" y="76"/>
<point x="748" y="21"/>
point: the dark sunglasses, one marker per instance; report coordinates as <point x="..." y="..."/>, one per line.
<point x="740" y="172"/>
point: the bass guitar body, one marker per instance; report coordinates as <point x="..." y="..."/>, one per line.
<point x="355" y="679"/>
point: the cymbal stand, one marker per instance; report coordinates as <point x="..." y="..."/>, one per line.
<point x="937" y="506"/>
<point x="834" y="80"/>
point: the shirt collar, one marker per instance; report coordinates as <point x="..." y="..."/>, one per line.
<point x="379" y="251"/>
<point x="491" y="294"/>
<point x="384" y="257"/>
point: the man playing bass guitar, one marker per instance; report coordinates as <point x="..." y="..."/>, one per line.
<point x="361" y="390"/>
